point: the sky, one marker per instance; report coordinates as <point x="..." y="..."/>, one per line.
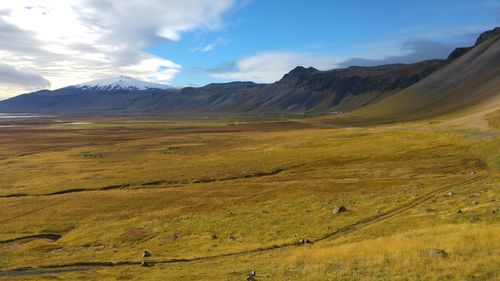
<point x="49" y="44"/>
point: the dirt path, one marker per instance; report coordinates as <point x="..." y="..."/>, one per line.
<point x="24" y="239"/>
<point x="79" y="266"/>
<point x="155" y="184"/>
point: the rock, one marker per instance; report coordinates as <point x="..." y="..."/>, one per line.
<point x="339" y="209"/>
<point x="475" y="202"/>
<point x="175" y="236"/>
<point x="305" y="241"/>
<point x="231" y="237"/>
<point x="378" y="212"/>
<point x="251" y="276"/>
<point x="214" y="237"/>
<point x="458" y="211"/>
<point x="449" y="193"/>
<point x="438" y="253"/>
<point x="473" y="220"/>
<point x="146" y="254"/>
<point x="145" y="264"/>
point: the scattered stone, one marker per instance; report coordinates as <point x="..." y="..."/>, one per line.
<point x="231" y="237"/>
<point x="458" y="211"/>
<point x="251" y="276"/>
<point x="472" y="173"/>
<point x="175" y="236"/>
<point x="146" y="254"/>
<point x="305" y="241"/>
<point x="378" y="212"/>
<point x="475" y="202"/>
<point x="339" y="209"/>
<point x="473" y="220"/>
<point x="214" y="237"/>
<point x="145" y="264"/>
<point x="438" y="253"/>
<point x="450" y="193"/>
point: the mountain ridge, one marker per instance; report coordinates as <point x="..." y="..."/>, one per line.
<point x="301" y="90"/>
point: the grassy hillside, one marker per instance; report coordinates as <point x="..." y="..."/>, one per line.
<point x="472" y="80"/>
<point x="216" y="199"/>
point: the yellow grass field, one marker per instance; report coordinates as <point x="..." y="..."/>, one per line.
<point x="213" y="199"/>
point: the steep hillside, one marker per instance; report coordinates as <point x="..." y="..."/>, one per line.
<point x="472" y="80"/>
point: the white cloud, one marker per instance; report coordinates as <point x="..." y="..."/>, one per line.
<point x="272" y="65"/>
<point x="72" y="41"/>
<point x="12" y="78"/>
<point x="211" y="46"/>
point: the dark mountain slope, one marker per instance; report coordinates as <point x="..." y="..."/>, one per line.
<point x="471" y="79"/>
<point x="303" y="89"/>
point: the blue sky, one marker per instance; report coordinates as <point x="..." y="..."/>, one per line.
<point x="334" y="30"/>
<point x="52" y="43"/>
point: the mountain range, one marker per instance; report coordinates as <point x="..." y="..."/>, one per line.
<point x="468" y="77"/>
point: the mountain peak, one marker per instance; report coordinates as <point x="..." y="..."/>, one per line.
<point x="299" y="72"/>
<point x="487" y="35"/>
<point x="120" y="82"/>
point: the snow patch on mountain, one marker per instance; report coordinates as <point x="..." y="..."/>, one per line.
<point x="120" y="83"/>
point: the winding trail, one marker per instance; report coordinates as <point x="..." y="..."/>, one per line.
<point x="24" y="239"/>
<point x="154" y="184"/>
<point x="80" y="266"/>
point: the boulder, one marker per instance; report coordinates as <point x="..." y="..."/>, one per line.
<point x="146" y="254"/>
<point x="438" y="253"/>
<point x="378" y="212"/>
<point x="339" y="209"/>
<point x="305" y="241"/>
<point x="175" y="236"/>
<point x="251" y="276"/>
<point x="473" y="220"/>
<point x="145" y="264"/>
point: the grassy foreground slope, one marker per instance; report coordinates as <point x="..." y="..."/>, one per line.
<point x="214" y="200"/>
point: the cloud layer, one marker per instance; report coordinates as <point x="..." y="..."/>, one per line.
<point x="271" y="66"/>
<point x="69" y="42"/>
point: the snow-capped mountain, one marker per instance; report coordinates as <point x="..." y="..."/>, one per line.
<point x="120" y="83"/>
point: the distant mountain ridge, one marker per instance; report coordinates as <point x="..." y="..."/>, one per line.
<point x="301" y="90"/>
